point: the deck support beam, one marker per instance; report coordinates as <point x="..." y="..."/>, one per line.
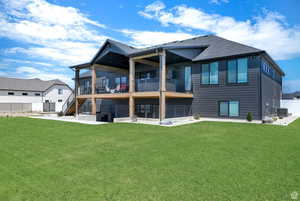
<point x="147" y="62"/>
<point x="94" y="77"/>
<point x="76" y="91"/>
<point x="131" y="88"/>
<point x="162" y="85"/>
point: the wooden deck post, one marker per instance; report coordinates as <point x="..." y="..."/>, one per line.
<point x="162" y="87"/>
<point x="94" y="77"/>
<point x="131" y="87"/>
<point x="76" y="91"/>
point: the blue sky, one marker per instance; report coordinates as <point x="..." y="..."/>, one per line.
<point x="40" y="38"/>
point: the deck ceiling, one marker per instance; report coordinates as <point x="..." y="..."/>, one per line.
<point x="114" y="59"/>
<point x="121" y="61"/>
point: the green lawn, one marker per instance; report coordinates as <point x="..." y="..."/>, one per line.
<point x="43" y="160"/>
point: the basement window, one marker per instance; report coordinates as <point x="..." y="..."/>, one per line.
<point x="37" y="94"/>
<point x="11" y="93"/>
<point x="24" y="94"/>
<point x="229" y="108"/>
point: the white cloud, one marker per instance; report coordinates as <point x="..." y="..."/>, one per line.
<point x="269" y="31"/>
<point x="155" y="7"/>
<point x="3" y="73"/>
<point x="30" y="73"/>
<point x="26" y="62"/>
<point x="26" y="69"/>
<point x="218" y="2"/>
<point x="149" y="38"/>
<point x="53" y="31"/>
<point x="64" y="53"/>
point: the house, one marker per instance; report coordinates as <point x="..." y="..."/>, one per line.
<point x="290" y="96"/>
<point x="291" y="101"/>
<point x="207" y="75"/>
<point x="20" y="95"/>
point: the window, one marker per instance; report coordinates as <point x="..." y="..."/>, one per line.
<point x="229" y="108"/>
<point x="117" y="81"/>
<point x="11" y="93"/>
<point x="269" y="71"/>
<point x="59" y="100"/>
<point x="24" y="94"/>
<point x="210" y="73"/>
<point x="145" y="75"/>
<point x="37" y="94"/>
<point x="188" y="78"/>
<point x="237" y="71"/>
<point x="233" y="108"/>
<point x="223" y="108"/>
<point x="123" y="80"/>
<point x="60" y="91"/>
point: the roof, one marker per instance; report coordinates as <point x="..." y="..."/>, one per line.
<point x="295" y="95"/>
<point x="215" y="47"/>
<point x="212" y="47"/>
<point x="17" y="84"/>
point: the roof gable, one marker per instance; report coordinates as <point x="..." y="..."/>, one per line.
<point x="16" y="84"/>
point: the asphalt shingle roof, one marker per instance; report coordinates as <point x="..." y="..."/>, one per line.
<point x="213" y="47"/>
<point x="27" y="84"/>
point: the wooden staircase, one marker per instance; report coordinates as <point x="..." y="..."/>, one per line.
<point x="69" y="107"/>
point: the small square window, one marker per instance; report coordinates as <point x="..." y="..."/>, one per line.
<point x="24" y="94"/>
<point x="11" y="93"/>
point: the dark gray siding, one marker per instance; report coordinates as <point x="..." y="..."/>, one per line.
<point x="178" y="107"/>
<point x="119" y="108"/>
<point x="207" y="97"/>
<point x="271" y="92"/>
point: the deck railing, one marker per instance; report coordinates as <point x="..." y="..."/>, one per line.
<point x="70" y="100"/>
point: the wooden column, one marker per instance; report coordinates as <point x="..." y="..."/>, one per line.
<point x="162" y="87"/>
<point x="131" y="75"/>
<point x="131" y="87"/>
<point x="76" y="91"/>
<point x="94" y="77"/>
<point x="131" y="107"/>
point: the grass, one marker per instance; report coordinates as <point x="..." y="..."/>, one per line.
<point x="43" y="160"/>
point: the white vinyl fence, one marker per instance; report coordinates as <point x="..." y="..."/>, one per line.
<point x="293" y="106"/>
<point x="15" y="107"/>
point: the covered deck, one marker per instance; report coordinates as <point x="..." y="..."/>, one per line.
<point x="110" y="60"/>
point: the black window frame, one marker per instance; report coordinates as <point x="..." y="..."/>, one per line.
<point x="60" y="92"/>
<point x="236" y="72"/>
<point x="10" y="93"/>
<point x="24" y="94"/>
<point x="228" y="108"/>
<point x="209" y="73"/>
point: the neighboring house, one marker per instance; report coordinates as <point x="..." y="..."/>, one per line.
<point x="34" y="94"/>
<point x="206" y="75"/>
<point x="289" y="96"/>
<point x="291" y="101"/>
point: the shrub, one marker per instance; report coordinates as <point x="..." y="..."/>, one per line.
<point x="60" y="114"/>
<point x="196" y="116"/>
<point x="249" y="116"/>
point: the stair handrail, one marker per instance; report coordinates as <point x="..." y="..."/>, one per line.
<point x="68" y="102"/>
